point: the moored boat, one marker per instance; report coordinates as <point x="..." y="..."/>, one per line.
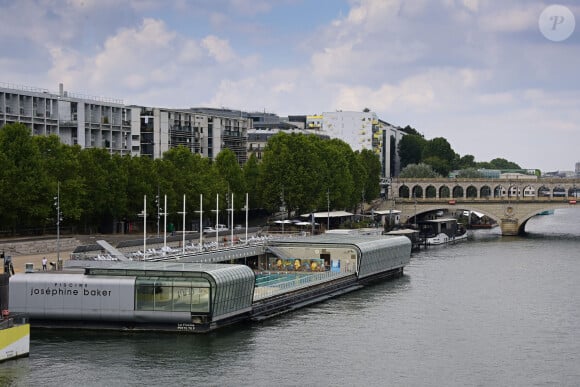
<point x="441" y="231"/>
<point x="14" y="329"/>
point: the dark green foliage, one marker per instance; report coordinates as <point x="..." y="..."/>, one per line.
<point x="420" y="171"/>
<point x="98" y="190"/>
<point x="411" y="149"/>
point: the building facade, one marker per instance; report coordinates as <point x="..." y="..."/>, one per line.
<point x="362" y="130"/>
<point x="266" y="125"/>
<point x="96" y="122"/>
<point x="91" y="122"/>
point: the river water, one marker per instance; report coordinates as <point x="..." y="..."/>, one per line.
<point x="491" y="311"/>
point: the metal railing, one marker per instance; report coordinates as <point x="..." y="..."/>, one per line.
<point x="300" y="281"/>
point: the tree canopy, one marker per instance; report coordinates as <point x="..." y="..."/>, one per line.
<point x="99" y="190"/>
<point x="419" y="171"/>
<point x="415" y="149"/>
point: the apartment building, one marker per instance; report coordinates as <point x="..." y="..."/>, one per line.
<point x="97" y="122"/>
<point x="91" y="122"/>
<point x="203" y="131"/>
<point x="266" y="125"/>
<point x="362" y="130"/>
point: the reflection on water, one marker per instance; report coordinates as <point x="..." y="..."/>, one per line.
<point x="490" y="311"/>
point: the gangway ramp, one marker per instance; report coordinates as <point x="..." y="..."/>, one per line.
<point x="113" y="252"/>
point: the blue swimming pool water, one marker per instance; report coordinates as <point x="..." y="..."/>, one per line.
<point x="270" y="279"/>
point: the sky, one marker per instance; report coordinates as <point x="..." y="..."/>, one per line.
<point x="495" y="78"/>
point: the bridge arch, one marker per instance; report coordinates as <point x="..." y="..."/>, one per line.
<point x="499" y="191"/>
<point x="417" y="191"/>
<point x="471" y="192"/>
<point x="544" y="191"/>
<point x="559" y="191"/>
<point x="430" y="192"/>
<point x="524" y="219"/>
<point x="456" y="209"/>
<point x="485" y="192"/>
<point x="529" y="191"/>
<point x="506" y="200"/>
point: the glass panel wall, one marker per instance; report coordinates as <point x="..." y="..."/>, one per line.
<point x="172" y="294"/>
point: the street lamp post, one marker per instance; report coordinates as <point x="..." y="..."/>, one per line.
<point x="217" y="211"/>
<point x="232" y="222"/>
<point x="165" y="224"/>
<point x="415" y="217"/>
<point x="200" y="222"/>
<point x="246" y="208"/>
<point x="283" y="209"/>
<point x="328" y="209"/>
<point x="144" y="226"/>
<point x="158" y="210"/>
<point x="58" y="219"/>
<point x="183" y="234"/>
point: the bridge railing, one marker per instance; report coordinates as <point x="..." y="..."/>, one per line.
<point x="535" y="199"/>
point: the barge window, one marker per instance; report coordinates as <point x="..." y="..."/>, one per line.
<point x="172" y="294"/>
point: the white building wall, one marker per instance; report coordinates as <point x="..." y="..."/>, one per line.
<point x="160" y="132"/>
<point x="354" y="128"/>
<point x="135" y="141"/>
<point x="81" y="132"/>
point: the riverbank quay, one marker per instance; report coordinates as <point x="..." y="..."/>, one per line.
<point x="201" y="292"/>
<point x="30" y="251"/>
<point x="23" y="251"/>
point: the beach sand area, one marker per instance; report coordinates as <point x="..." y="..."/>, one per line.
<point x="12" y="248"/>
<point x="19" y="262"/>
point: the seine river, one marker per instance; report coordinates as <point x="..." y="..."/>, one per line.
<point x="492" y="311"/>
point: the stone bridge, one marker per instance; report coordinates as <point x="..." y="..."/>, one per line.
<point x="511" y="203"/>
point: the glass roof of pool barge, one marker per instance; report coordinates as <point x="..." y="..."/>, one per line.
<point x="362" y="242"/>
<point x="220" y="272"/>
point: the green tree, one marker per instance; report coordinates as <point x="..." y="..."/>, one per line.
<point x="372" y="175"/>
<point x="336" y="175"/>
<point x="292" y="172"/>
<point x="61" y="167"/>
<point x="100" y="202"/>
<point x="412" y="131"/>
<point x="418" y="171"/>
<point x="467" y="161"/>
<point x="439" y="147"/>
<point x="24" y="197"/>
<point x="251" y="170"/>
<point x="469" y="173"/>
<point x="142" y="180"/>
<point x="499" y="163"/>
<point x="393" y="156"/>
<point x="229" y="169"/>
<point x="439" y="165"/>
<point x="411" y="149"/>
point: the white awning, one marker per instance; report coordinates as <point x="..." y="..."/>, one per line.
<point x="326" y="214"/>
<point x="386" y="212"/>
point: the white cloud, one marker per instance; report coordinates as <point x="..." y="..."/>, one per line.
<point x="218" y="48"/>
<point x="468" y="70"/>
<point x="496" y="98"/>
<point x="512" y="19"/>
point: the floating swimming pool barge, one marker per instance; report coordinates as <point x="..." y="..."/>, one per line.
<point x="201" y="293"/>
